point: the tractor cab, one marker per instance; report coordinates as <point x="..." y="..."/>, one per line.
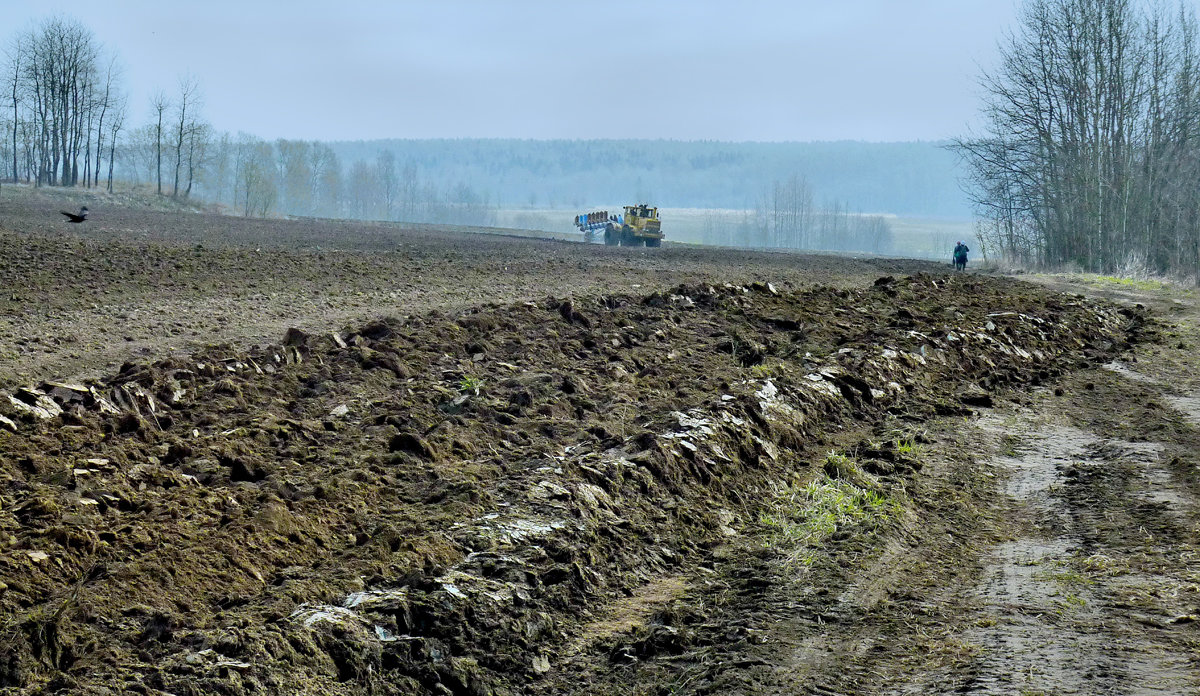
<point x="641" y="211"/>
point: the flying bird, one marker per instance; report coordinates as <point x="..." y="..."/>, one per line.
<point x="72" y="217"/>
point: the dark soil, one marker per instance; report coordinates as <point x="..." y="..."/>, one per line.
<point x="521" y="474"/>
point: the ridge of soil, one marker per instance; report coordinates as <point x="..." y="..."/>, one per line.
<point x="502" y="498"/>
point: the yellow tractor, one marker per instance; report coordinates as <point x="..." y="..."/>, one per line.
<point x="640" y="225"/>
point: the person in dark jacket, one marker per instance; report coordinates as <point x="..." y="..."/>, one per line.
<point x="960" y="256"/>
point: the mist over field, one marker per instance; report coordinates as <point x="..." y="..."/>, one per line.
<point x="722" y="149"/>
<point x="841" y="196"/>
<point x="793" y="195"/>
<point x="836" y="196"/>
<point x="914" y="178"/>
<point x="907" y="236"/>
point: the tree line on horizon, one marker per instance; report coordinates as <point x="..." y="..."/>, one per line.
<point x="1091" y="153"/>
<point x="907" y="178"/>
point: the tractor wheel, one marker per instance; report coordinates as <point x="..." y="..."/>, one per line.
<point x="653" y="242"/>
<point x="610" y="236"/>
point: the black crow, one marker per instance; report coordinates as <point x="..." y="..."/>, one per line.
<point x="72" y="217"/>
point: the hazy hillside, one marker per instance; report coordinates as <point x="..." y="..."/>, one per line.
<point x="911" y="178"/>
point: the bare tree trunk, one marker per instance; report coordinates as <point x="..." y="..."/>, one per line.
<point x="105" y="104"/>
<point x="188" y="94"/>
<point x="18" y="53"/>
<point x="160" y="104"/>
<point x="118" y="120"/>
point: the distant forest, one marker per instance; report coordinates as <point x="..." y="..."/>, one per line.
<point x="912" y="178"/>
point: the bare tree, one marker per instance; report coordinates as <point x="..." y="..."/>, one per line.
<point x="218" y="166"/>
<point x="385" y="167"/>
<point x="255" y="189"/>
<point x="106" y="103"/>
<point x="327" y="171"/>
<point x="199" y="135"/>
<point x="1092" y="138"/>
<point x="791" y="213"/>
<point x="362" y="194"/>
<point x="410" y="188"/>
<point x="15" y="55"/>
<point x="115" y="123"/>
<point x="185" y="120"/>
<point x="159" y="103"/>
<point x="295" y="176"/>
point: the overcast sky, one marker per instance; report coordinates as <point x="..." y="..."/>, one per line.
<point x="784" y="70"/>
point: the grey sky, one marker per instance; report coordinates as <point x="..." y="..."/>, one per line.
<point x="799" y="70"/>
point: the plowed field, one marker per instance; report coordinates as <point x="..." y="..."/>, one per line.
<point x="243" y="456"/>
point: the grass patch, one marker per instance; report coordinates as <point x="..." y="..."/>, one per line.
<point x="470" y="385"/>
<point x="1138" y="283"/>
<point x="1068" y="602"/>
<point x="1101" y="565"/>
<point x="1072" y="573"/>
<point x="1064" y="576"/>
<point x="1135" y="283"/>
<point x="804" y="517"/>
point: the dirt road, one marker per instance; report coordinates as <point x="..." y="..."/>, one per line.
<point x="559" y="469"/>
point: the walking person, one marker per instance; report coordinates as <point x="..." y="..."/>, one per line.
<point x="960" y="257"/>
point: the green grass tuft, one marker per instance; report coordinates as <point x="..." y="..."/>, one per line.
<point x="470" y="385"/>
<point x="805" y="516"/>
